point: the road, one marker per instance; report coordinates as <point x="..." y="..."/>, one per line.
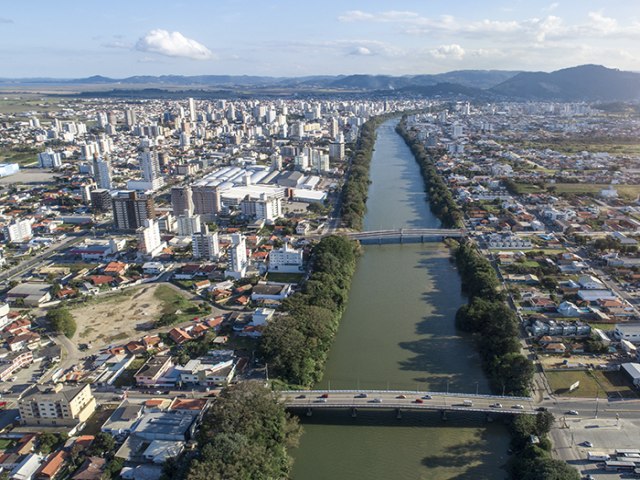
<point x="40" y="257"/>
<point x="407" y="400"/>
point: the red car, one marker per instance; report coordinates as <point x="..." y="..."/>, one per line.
<point x="418" y="400"/>
<point x="324" y="395"/>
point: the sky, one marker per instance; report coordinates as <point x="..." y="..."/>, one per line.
<point x="115" y="38"/>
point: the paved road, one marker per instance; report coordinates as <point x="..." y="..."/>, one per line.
<point x="381" y="399"/>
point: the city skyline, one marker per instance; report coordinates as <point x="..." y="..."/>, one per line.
<point x="285" y="38"/>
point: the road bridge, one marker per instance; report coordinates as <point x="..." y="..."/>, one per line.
<point x="400" y="400"/>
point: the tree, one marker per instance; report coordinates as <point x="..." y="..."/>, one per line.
<point x="62" y="321"/>
<point x="103" y="445"/>
<point x="48" y="442"/>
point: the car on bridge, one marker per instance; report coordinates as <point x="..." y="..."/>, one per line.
<point x="324" y="395"/>
<point x="573" y="412"/>
<point x="361" y="395"/>
<point x="426" y="397"/>
<point x="376" y="400"/>
<point x="496" y="405"/>
<point x="401" y="396"/>
<point x="418" y="400"/>
<point x="300" y="397"/>
<point x="518" y="407"/>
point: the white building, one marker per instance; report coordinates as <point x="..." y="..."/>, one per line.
<point x="102" y="172"/>
<point x="237" y="257"/>
<point x="205" y="245"/>
<point x="149" y="241"/>
<point x="49" y="159"/>
<point x="188" y="225"/>
<point x="150" y="167"/>
<point x="286" y="260"/>
<point x="629" y="332"/>
<point x="18" y="231"/>
<point x="265" y="207"/>
<point x="7" y="169"/>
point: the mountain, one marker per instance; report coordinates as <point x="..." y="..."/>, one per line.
<point x="586" y="82"/>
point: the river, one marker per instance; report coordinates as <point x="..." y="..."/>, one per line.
<point x="398" y="332"/>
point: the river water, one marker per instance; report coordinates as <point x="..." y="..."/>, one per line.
<point x="398" y="332"/>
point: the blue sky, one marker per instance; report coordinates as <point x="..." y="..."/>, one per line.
<point x="294" y="38"/>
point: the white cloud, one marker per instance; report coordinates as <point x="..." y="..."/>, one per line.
<point x="453" y="51"/>
<point x="364" y="51"/>
<point x="172" y="44"/>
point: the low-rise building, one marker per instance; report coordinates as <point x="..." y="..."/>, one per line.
<point x="66" y="406"/>
<point x="30" y="294"/>
<point x="153" y="370"/>
<point x="628" y="331"/>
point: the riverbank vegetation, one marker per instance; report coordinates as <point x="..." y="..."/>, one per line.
<point x="356" y="187"/>
<point x="296" y="344"/>
<point x="531" y="447"/>
<point x="245" y="434"/>
<point x="441" y="201"/>
<point x="492" y="322"/>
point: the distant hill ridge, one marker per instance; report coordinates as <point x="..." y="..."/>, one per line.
<point x="581" y="83"/>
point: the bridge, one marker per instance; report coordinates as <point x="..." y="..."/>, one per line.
<point x="406" y="235"/>
<point x="400" y="400"/>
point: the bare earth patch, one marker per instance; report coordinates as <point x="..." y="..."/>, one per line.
<point x="109" y="319"/>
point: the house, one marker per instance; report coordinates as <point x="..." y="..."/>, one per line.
<point x="593" y="296"/>
<point x="152" y="268"/>
<point x="179" y="336"/>
<point x="615" y="307"/>
<point x="27" y="468"/>
<point x="54" y="464"/>
<point x="627" y="331"/>
<point x="115" y="269"/>
<point x="91" y="469"/>
<point x="270" y="291"/>
<point x="568" y="309"/>
<point x="589" y="282"/>
<point x="555" y="348"/>
<point x="153" y="370"/>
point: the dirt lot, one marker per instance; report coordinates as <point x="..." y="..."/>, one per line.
<point x="114" y="318"/>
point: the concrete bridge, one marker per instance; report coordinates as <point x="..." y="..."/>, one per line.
<point x="406" y="235"/>
<point x="400" y="400"/>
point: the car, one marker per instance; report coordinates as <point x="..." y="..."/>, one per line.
<point x="418" y="400"/>
<point x="361" y="395"/>
<point x="300" y="397"/>
<point x="496" y="405"/>
<point x="573" y="412"/>
<point x="401" y="396"/>
<point x="541" y="409"/>
<point x="321" y="400"/>
<point x="324" y="395"/>
<point x="517" y="406"/>
<point x="426" y="397"/>
<point x="587" y="444"/>
<point x="376" y="400"/>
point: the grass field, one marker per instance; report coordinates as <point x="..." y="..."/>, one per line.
<point x="285" y="277"/>
<point x="592" y="383"/>
<point x="628" y="191"/>
<point x="615" y="146"/>
<point x="21" y="158"/>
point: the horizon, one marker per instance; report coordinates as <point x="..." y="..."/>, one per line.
<point x="283" y="38"/>
<point x="98" y="75"/>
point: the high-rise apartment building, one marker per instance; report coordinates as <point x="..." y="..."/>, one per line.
<point x="18" y="231"/>
<point x="182" y="201"/>
<point x="206" y="200"/>
<point x="131" y="209"/>
<point x="237" y="253"/>
<point x="100" y="200"/>
<point x="205" y="245"/>
<point x="102" y="172"/>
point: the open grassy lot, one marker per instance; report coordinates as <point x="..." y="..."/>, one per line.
<point x="592" y="383"/>
<point x="22" y="158"/>
<point x="285" y="277"/>
<point x="571" y="145"/>
<point x="561" y="381"/>
<point x="628" y="191"/>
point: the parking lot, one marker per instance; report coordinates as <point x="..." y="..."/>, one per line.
<point x="23" y="378"/>
<point x="604" y="434"/>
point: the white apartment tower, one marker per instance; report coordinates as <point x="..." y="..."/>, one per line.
<point x="188" y="225"/>
<point x="192" y="110"/>
<point x="102" y="172"/>
<point x="237" y="257"/>
<point x="149" y="241"/>
<point x="205" y="245"/>
<point x="18" y="231"/>
<point x="49" y="159"/>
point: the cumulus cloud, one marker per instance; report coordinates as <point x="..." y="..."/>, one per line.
<point x="453" y="51"/>
<point x="173" y="44"/>
<point x="363" y="51"/>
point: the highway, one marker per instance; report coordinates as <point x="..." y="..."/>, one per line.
<point x="408" y="400"/>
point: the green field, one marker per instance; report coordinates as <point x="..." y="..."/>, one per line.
<point x="21" y="158"/>
<point x="627" y="191"/>
<point x="285" y="277"/>
<point x="614" y="146"/>
<point x="593" y="383"/>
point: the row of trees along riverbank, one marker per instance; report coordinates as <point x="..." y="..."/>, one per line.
<point x="296" y="344"/>
<point x="441" y="201"/>
<point x="356" y="187"/>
